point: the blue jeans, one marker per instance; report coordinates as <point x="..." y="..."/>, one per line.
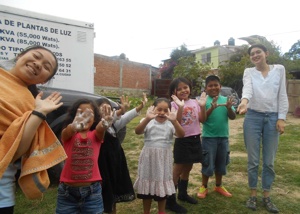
<point x="260" y="131"/>
<point x="215" y="155"/>
<point x="86" y="200"/>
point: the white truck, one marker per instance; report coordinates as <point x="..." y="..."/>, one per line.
<point x="71" y="41"/>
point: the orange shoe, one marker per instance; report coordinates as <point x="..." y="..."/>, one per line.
<point x="202" y="192"/>
<point x="223" y="191"/>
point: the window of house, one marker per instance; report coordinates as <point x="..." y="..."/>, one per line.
<point x="206" y="58"/>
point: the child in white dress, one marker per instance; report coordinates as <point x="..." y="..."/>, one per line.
<point x="155" y="179"/>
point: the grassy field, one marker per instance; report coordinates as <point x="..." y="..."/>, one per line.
<point x="285" y="192"/>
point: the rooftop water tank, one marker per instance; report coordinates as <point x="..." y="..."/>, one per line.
<point x="217" y="43"/>
<point x="231" y="41"/>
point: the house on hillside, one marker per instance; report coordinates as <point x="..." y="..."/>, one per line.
<point x="217" y="54"/>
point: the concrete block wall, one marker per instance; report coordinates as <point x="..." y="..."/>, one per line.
<point x="134" y="76"/>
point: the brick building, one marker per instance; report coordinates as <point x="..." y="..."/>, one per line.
<point x="121" y="75"/>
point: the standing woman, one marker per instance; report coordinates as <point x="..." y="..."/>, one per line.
<point x="265" y="103"/>
<point x="23" y="130"/>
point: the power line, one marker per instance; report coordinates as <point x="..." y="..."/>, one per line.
<point x="281" y="33"/>
<point x="284" y="33"/>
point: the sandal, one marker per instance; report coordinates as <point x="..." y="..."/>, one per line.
<point x="251" y="203"/>
<point x="269" y="205"/>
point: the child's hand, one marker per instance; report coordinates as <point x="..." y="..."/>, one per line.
<point x="214" y="102"/>
<point x="230" y="102"/>
<point x="179" y="103"/>
<point x="151" y="113"/>
<point x="143" y="103"/>
<point x="82" y="119"/>
<point x="172" y="116"/>
<point x="145" y="99"/>
<point x="202" y="99"/>
<point x="107" y="115"/>
<point x="125" y="104"/>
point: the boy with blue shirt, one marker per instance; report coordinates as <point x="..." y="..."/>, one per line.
<point x="215" y="144"/>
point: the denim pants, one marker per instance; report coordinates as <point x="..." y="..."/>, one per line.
<point x="75" y="200"/>
<point x="215" y="155"/>
<point x="260" y="132"/>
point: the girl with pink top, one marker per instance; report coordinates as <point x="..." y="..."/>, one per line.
<point x="187" y="150"/>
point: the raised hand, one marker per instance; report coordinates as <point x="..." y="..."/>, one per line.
<point x="82" y="119"/>
<point x="145" y="99"/>
<point x="49" y="104"/>
<point x="230" y="101"/>
<point x="172" y="115"/>
<point x="214" y="102"/>
<point x="125" y="104"/>
<point x="202" y="99"/>
<point x="151" y="113"/>
<point x="179" y="103"/>
<point x="142" y="104"/>
<point x="107" y="115"/>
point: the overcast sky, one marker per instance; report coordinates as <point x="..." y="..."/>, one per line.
<point x="148" y="31"/>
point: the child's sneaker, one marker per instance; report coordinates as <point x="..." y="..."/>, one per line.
<point x="223" y="191"/>
<point x="202" y="192"/>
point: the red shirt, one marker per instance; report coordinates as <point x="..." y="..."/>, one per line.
<point x="82" y="162"/>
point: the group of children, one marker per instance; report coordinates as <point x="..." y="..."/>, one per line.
<point x="95" y="176"/>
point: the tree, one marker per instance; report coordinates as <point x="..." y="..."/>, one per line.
<point x="239" y="53"/>
<point x="292" y="60"/>
<point x="231" y="73"/>
<point x="193" y="71"/>
<point x="274" y="50"/>
<point x="167" y="68"/>
<point x="181" y="52"/>
<point x="294" y="52"/>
